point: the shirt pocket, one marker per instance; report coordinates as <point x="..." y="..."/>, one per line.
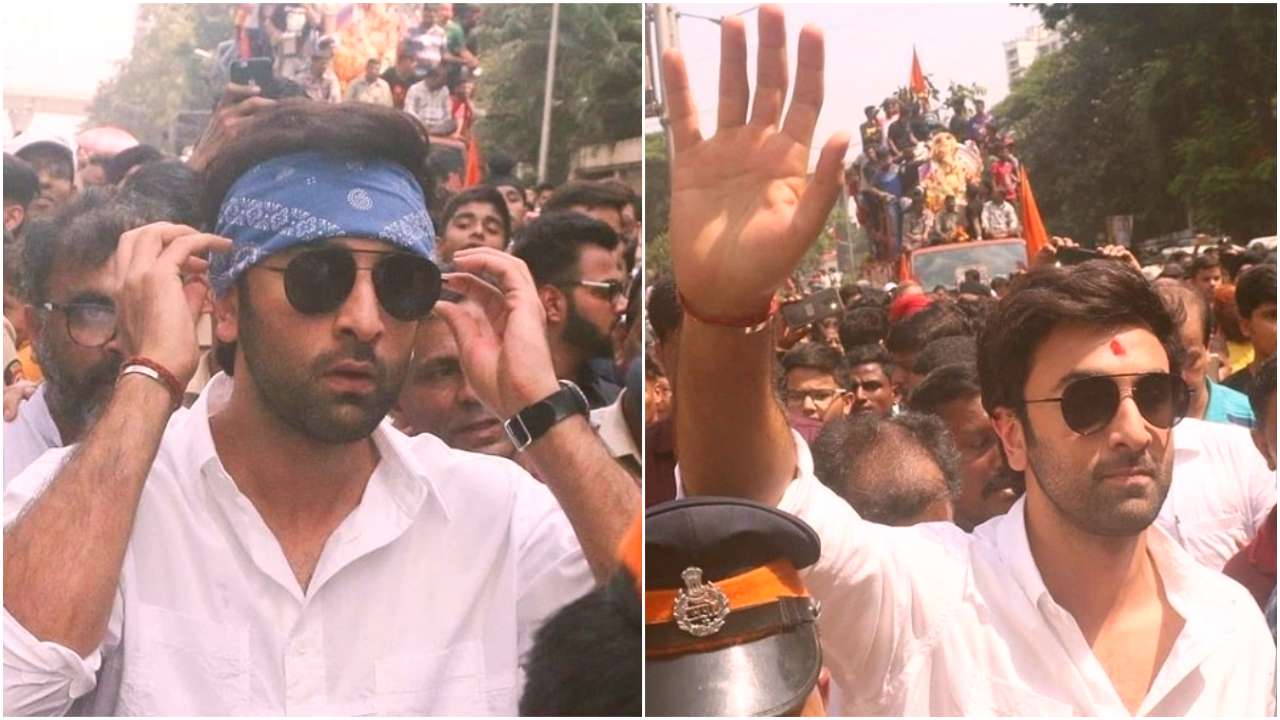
<point x="446" y="682"/>
<point x="179" y="664"/>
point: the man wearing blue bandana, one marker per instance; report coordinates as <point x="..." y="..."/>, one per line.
<point x="280" y="548"/>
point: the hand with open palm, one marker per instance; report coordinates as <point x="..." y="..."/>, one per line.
<point x="743" y="212"/>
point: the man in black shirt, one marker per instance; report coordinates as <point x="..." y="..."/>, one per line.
<point x="403" y="74"/>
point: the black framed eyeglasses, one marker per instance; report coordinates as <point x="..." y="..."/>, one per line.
<point x="318" y="281"/>
<point x="1089" y="404"/>
<point x="607" y="289"/>
<point x="89" y="324"/>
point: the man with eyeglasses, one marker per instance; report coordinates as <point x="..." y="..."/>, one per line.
<point x="582" y="284"/>
<point x="280" y="548"/>
<point x="1069" y="604"/>
<point x="71" y="314"/>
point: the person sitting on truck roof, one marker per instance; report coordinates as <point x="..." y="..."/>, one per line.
<point x="999" y="217"/>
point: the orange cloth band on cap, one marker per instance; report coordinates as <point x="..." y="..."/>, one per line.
<point x="629" y="552"/>
<point x="755" y="587"/>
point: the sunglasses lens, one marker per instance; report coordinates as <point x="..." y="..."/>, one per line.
<point x="1161" y="398"/>
<point x="318" y="281"/>
<point x="1089" y="404"/>
<point x="408" y="286"/>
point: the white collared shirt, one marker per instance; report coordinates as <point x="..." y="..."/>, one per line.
<point x="610" y="424"/>
<point x="423" y="600"/>
<point x="1222" y="491"/>
<point x="929" y="620"/>
<point x="30" y="435"/>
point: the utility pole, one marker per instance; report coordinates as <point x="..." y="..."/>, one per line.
<point x="544" y="145"/>
<point x="666" y="36"/>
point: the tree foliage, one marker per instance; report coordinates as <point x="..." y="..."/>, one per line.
<point x="597" y="86"/>
<point x="1164" y="112"/>
<point x="163" y="75"/>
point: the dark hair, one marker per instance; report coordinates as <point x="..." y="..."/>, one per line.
<point x="122" y="162"/>
<point x="172" y="186"/>
<point x="1173" y="271"/>
<point x="1204" y="261"/>
<point x="998" y="282"/>
<point x="972" y="275"/>
<point x="1180" y="299"/>
<point x="1098" y="293"/>
<point x="478" y="194"/>
<point x="1255" y="288"/>
<point x="297" y="125"/>
<point x="869" y="354"/>
<point x="814" y="356"/>
<point x="585" y="659"/>
<point x="866" y="445"/>
<point x="863" y="325"/>
<point x="21" y="184"/>
<point x="940" y="319"/>
<point x="590" y="195"/>
<point x="552" y="245"/>
<point x="946" y="351"/>
<point x="14" y="274"/>
<point x="945" y="384"/>
<point x="84" y="234"/>
<point x="1263" y="390"/>
<point x="663" y="310"/>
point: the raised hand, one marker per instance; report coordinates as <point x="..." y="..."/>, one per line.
<point x="160" y="273"/>
<point x="742" y="211"/>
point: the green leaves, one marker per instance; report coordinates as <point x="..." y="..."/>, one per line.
<point x="597" y="87"/>
<point x="1155" y="111"/>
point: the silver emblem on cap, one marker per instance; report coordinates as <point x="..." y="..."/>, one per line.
<point x="701" y="607"/>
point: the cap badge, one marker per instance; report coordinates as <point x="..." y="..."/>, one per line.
<point x="700" y="608"/>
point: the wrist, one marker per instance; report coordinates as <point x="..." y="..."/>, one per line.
<point x="749" y="322"/>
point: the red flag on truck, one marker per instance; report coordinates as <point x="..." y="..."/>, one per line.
<point x="917" y="75"/>
<point x="1032" y="226"/>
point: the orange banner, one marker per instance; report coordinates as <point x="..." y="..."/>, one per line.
<point x="1032" y="226"/>
<point x="917" y="75"/>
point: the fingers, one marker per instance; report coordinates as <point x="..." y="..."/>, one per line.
<point x="820" y="196"/>
<point x="771" y="68"/>
<point x="249" y="106"/>
<point x="180" y="249"/>
<point x="806" y="102"/>
<point x="682" y="115"/>
<point x="234" y="93"/>
<point x="489" y="298"/>
<point x="734" y="93"/>
<point x="509" y="271"/>
<point x="139" y="247"/>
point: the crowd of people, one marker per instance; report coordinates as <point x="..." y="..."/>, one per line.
<point x="292" y="427"/>
<point x="923" y="179"/>
<point x="1054" y="496"/>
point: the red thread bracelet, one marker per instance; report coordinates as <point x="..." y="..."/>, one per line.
<point x="749" y="325"/>
<point x="176" y="391"/>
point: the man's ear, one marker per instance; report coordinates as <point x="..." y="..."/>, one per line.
<point x="1013" y="436"/>
<point x="555" y="303"/>
<point x="14" y="214"/>
<point x="226" y="315"/>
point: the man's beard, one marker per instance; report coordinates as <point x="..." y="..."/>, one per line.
<point x="298" y="397"/>
<point x="75" y="402"/>
<point x="1092" y="503"/>
<point x="579" y="333"/>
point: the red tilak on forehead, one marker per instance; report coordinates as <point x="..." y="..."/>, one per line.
<point x="1116" y="347"/>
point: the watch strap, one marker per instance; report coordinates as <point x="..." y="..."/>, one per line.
<point x="535" y="420"/>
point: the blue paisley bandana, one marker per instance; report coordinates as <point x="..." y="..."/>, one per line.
<point x="312" y="196"/>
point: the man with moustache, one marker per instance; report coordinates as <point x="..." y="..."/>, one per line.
<point x="280" y="548"/>
<point x="437" y="398"/>
<point x="1068" y="604"/>
<point x="71" y="314"/>
<point x="987" y="486"/>
<point x="582" y="285"/>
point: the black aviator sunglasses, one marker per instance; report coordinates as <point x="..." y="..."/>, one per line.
<point x="318" y="281"/>
<point x="1089" y="404"/>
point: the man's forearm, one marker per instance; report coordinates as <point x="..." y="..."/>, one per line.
<point x="63" y="554"/>
<point x="734" y="437"/>
<point x="598" y="496"/>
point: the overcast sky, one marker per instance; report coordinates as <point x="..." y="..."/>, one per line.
<point x="62" y="48"/>
<point x="868" y="52"/>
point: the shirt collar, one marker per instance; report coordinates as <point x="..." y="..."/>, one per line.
<point x="1176" y="568"/>
<point x="610" y="424"/>
<point x="402" y="471"/>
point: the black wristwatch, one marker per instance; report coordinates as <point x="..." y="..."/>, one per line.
<point x="534" y="421"/>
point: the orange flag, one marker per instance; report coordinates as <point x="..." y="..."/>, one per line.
<point x="917" y="75"/>
<point x="475" y="166"/>
<point x="1032" y="226"/>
